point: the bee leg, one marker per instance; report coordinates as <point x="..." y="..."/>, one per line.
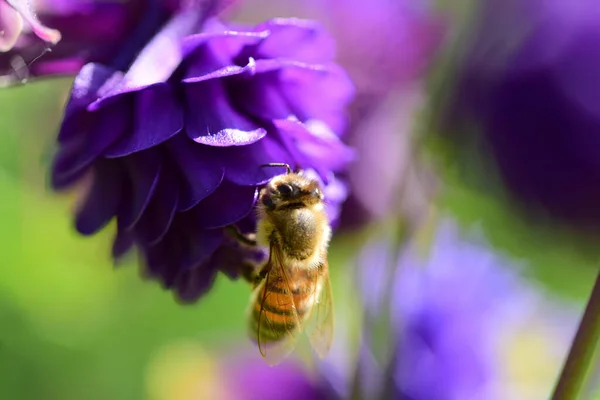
<point x="263" y="273"/>
<point x="249" y="239"/>
<point x="249" y="272"/>
<point x="253" y="273"/>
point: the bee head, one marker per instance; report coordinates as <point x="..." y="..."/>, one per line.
<point x="290" y="191"/>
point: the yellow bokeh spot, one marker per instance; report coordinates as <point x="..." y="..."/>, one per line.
<point x="183" y="370"/>
<point x="531" y="362"/>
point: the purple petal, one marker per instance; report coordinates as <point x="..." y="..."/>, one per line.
<point x="298" y="39"/>
<point x="251" y="68"/>
<point x="259" y="96"/>
<point x="122" y="243"/>
<point x="85" y="89"/>
<point x="184" y="247"/>
<point x="315" y="145"/>
<point x="213" y="121"/>
<point x="156" y="220"/>
<point x="61" y="180"/>
<point x="200" y="167"/>
<point x="91" y="134"/>
<point x="249" y="378"/>
<point x="247" y="225"/>
<point x="25" y="10"/>
<point x="318" y="92"/>
<point x="144" y="170"/>
<point x="217" y="39"/>
<point x="103" y="200"/>
<point x="202" y="243"/>
<point x="234" y="202"/>
<point x="158" y="60"/>
<point x="243" y="165"/>
<point x="158" y="117"/>
<point x="11" y="25"/>
<point x="191" y="284"/>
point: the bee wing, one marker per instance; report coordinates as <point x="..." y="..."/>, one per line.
<point x="277" y="323"/>
<point x="319" y="324"/>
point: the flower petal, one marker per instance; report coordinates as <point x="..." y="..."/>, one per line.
<point x="245" y="165"/>
<point x="102" y="202"/>
<point x="158" y="117"/>
<point x="156" y="220"/>
<point x="217" y="47"/>
<point x="234" y="202"/>
<point x="90" y="134"/>
<point x="157" y="61"/>
<point x="213" y="121"/>
<point x="122" y="243"/>
<point x="314" y="145"/>
<point x="184" y="247"/>
<point x="298" y="39"/>
<point x="191" y="284"/>
<point x="259" y="96"/>
<point x="85" y="89"/>
<point x="11" y="25"/>
<point x="25" y="10"/>
<point x="144" y="170"/>
<point x="200" y="167"/>
<point x="318" y="92"/>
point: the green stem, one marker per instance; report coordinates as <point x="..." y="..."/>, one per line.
<point x="582" y="350"/>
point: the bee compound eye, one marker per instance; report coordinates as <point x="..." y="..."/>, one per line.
<point x="268" y="202"/>
<point x="285" y="189"/>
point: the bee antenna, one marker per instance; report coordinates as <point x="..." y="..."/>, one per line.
<point x="287" y="166"/>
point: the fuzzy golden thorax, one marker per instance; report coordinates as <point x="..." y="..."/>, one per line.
<point x="291" y="211"/>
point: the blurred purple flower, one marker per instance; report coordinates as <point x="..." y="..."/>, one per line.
<point x="388" y="66"/>
<point x="387" y="47"/>
<point x="402" y="39"/>
<point x="175" y="144"/>
<point x="446" y="310"/>
<point x="108" y="32"/>
<point x="532" y="91"/>
<point x="16" y="17"/>
<point x="250" y="378"/>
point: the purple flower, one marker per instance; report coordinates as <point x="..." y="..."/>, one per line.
<point x="175" y="145"/>
<point x="388" y="66"/>
<point x="447" y="310"/>
<point x="16" y="18"/>
<point x="249" y="378"/>
<point x="532" y="92"/>
<point x="108" y="32"/>
<point x="402" y="39"/>
<point x="386" y="47"/>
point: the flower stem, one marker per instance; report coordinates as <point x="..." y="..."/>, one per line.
<point x="582" y="351"/>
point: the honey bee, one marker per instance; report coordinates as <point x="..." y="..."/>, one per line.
<point x="292" y="291"/>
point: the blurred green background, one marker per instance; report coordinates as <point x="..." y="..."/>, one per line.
<point x="74" y="326"/>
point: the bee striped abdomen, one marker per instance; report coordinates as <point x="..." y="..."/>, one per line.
<point x="274" y="315"/>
